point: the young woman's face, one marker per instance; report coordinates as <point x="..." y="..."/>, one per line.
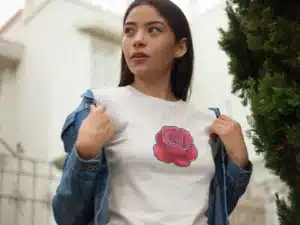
<point x="148" y="43"/>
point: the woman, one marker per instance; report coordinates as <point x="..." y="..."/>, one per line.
<point x="141" y="154"/>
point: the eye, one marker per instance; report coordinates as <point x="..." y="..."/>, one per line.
<point x="128" y="30"/>
<point x="154" y="29"/>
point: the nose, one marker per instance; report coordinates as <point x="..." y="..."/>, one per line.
<point x="139" y="39"/>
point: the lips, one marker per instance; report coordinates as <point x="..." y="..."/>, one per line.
<point x="138" y="55"/>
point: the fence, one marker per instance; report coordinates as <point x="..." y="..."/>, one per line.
<point x="26" y="187"/>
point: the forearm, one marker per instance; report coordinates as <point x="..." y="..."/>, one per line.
<point x="237" y="180"/>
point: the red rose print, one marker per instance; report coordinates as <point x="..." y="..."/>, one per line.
<point x="175" y="145"/>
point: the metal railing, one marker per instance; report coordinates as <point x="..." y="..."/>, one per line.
<point x="26" y="187"/>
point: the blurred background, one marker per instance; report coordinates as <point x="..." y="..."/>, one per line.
<point x="51" y="51"/>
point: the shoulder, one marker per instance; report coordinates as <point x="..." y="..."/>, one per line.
<point x="108" y="94"/>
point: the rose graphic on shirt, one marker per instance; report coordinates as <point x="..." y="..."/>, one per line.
<point x="175" y="145"/>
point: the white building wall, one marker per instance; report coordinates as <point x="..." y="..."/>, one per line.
<point x="9" y="107"/>
<point x="56" y="68"/>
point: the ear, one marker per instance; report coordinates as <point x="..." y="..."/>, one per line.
<point x="181" y="48"/>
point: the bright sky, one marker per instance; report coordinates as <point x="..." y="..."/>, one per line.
<point x="9" y="7"/>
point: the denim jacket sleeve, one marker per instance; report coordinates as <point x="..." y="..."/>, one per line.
<point x="237" y="180"/>
<point x="73" y="203"/>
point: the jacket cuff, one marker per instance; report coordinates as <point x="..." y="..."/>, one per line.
<point x="78" y="165"/>
<point x="240" y="176"/>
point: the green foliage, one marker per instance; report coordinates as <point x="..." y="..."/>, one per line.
<point x="263" y="45"/>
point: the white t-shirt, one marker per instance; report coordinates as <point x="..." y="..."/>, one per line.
<point x="160" y="162"/>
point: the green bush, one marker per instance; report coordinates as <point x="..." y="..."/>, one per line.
<point x="263" y="45"/>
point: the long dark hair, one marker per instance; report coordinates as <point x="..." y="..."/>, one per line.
<point x="182" y="71"/>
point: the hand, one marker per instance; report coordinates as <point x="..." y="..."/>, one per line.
<point x="231" y="135"/>
<point x="95" y="131"/>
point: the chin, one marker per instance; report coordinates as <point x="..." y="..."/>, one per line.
<point x="140" y="71"/>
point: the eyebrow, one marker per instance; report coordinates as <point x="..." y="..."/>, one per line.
<point x="148" y="23"/>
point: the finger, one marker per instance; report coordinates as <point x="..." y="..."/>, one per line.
<point x="217" y="128"/>
<point x="97" y="109"/>
<point x="92" y="108"/>
<point x="225" y="117"/>
<point x="100" y="109"/>
<point x="228" y="123"/>
<point x="223" y="122"/>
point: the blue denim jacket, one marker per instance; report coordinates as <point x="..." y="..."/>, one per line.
<point x="82" y="194"/>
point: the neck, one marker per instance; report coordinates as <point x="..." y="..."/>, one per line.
<point x="159" y="88"/>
